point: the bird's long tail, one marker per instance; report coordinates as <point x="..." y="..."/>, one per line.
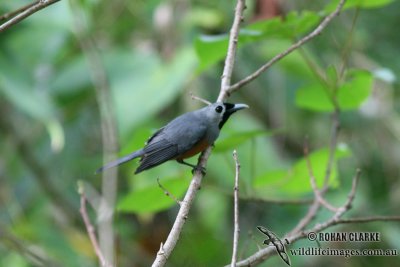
<point x="117" y="162"/>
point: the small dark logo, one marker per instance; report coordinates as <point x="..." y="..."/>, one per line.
<point x="274" y="240"/>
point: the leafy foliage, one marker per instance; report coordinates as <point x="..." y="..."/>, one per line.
<point x="51" y="128"/>
<point x="349" y="95"/>
<point x="295" y="182"/>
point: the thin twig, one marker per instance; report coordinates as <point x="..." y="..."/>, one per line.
<point x="230" y="57"/>
<point x="333" y="143"/>
<point x="351" y="195"/>
<point x="263" y="254"/>
<point x="24" y="12"/>
<point x="313" y="209"/>
<point x="17" y="11"/>
<point x="167" y="193"/>
<point x="310" y="215"/>
<point x="194" y="97"/>
<point x="108" y="131"/>
<point x="296" y="45"/>
<point x="292" y="237"/>
<point x="236" y="230"/>
<point x="317" y="192"/>
<point x="90" y="230"/>
<point x="173" y="237"/>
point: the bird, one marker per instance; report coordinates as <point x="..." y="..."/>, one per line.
<point x="183" y="137"/>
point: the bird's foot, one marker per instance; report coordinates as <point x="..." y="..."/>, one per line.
<point x="199" y="168"/>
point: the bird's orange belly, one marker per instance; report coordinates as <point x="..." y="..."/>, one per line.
<point x="197" y="148"/>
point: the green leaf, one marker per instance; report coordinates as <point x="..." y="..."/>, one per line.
<point x="152" y="198"/>
<point x="298" y="23"/>
<point x="296" y="181"/>
<point x="211" y="49"/>
<point x="356" y="90"/>
<point x="234" y="139"/>
<point x="350" y="95"/>
<point x="314" y="97"/>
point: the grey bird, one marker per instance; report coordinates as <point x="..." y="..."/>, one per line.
<point x="183" y="137"/>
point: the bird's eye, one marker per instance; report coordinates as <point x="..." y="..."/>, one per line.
<point x="219" y="109"/>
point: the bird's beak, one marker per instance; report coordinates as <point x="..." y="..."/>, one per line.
<point x="236" y="107"/>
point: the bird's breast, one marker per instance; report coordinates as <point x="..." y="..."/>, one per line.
<point x="197" y="148"/>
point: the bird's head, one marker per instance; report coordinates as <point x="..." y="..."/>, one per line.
<point x="220" y="112"/>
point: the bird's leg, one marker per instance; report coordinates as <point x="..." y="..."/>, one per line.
<point x="195" y="167"/>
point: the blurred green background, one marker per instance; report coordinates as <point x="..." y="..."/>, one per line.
<point x="155" y="53"/>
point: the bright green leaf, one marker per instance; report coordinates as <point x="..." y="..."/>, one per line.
<point x="314" y="97"/>
<point x="350" y="95"/>
<point x="152" y="198"/>
<point x="356" y="90"/>
<point x="211" y="49"/>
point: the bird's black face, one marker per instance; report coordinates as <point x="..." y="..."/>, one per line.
<point x="228" y="109"/>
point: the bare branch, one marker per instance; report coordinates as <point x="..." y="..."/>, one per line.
<point x="90" y="230"/>
<point x="310" y="215"/>
<point x="173" y="237"/>
<point x="351" y="195"/>
<point x="263" y="254"/>
<point x="313" y="209"/>
<point x="17" y="11"/>
<point x="108" y="131"/>
<point x="167" y="193"/>
<point x="296" y="45"/>
<point x="24" y="12"/>
<point x="317" y="192"/>
<point x="199" y="99"/>
<point x="230" y="57"/>
<point x="236" y="230"/>
<point x="333" y="144"/>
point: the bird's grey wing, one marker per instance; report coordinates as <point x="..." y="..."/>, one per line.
<point x="188" y="135"/>
<point x="157" y="152"/>
<point x="157" y="133"/>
